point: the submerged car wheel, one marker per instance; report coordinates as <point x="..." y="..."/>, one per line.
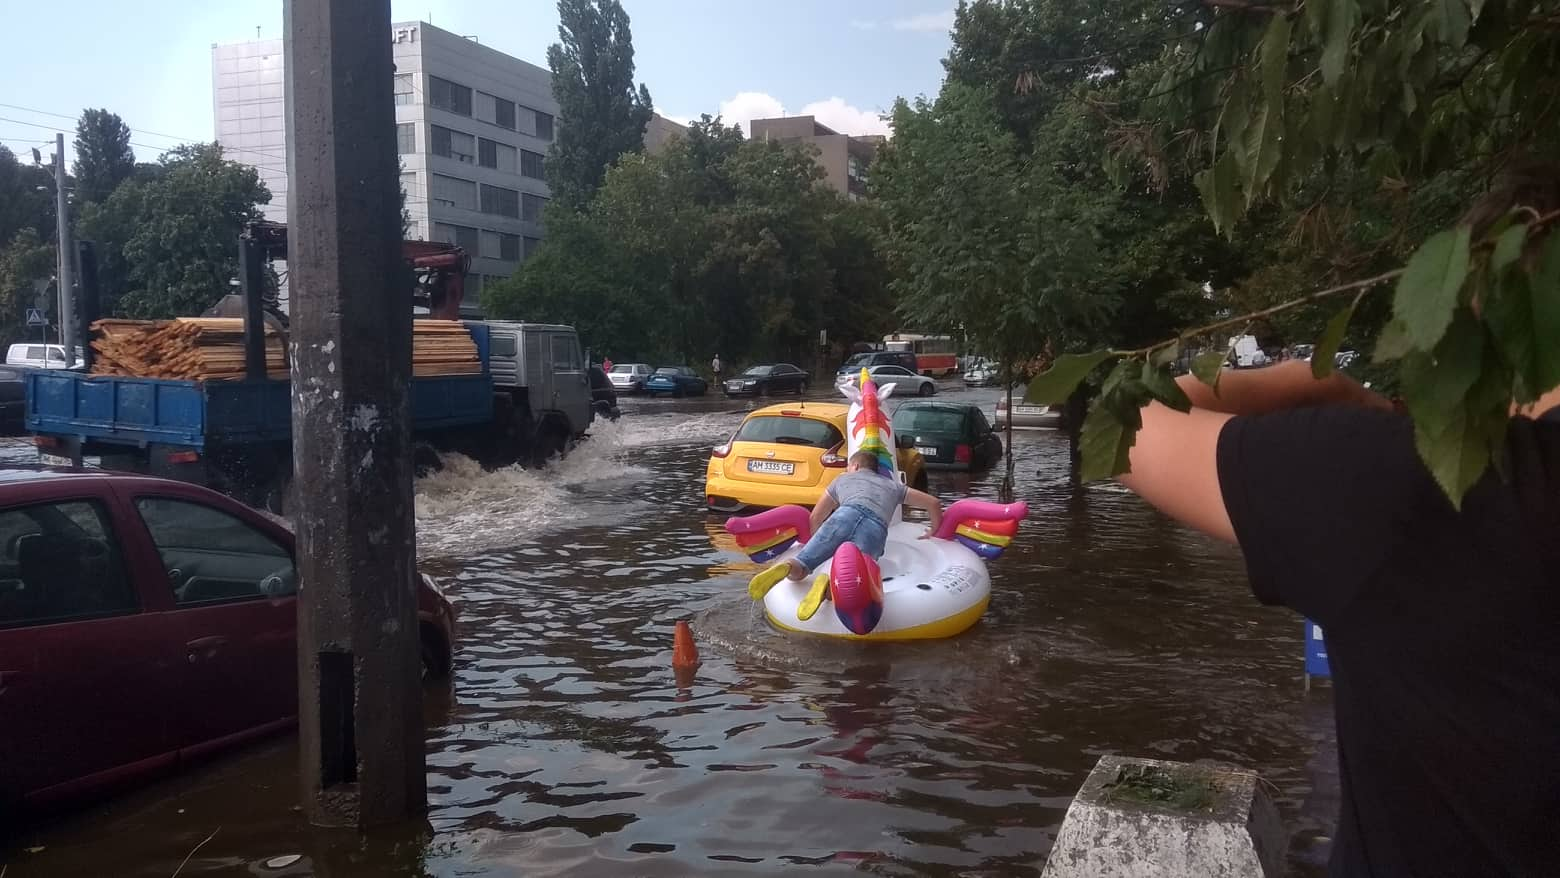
<point x="927" y="389"/>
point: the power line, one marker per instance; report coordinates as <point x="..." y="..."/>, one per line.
<point x="159" y="148"/>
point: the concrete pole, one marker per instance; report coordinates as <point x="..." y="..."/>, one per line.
<point x="67" y="269"/>
<point x="359" y="711"/>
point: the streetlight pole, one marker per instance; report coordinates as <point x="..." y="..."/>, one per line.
<point x="67" y="269"/>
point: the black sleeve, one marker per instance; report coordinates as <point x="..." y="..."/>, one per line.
<point x="1319" y="499"/>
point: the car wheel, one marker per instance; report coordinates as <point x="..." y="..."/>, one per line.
<point x="927" y="388"/>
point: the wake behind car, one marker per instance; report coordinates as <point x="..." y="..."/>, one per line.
<point x="145" y="622"/>
<point x="783" y="454"/>
<point x="766" y="379"/>
<point x="677" y="381"/>
<point x="948" y="435"/>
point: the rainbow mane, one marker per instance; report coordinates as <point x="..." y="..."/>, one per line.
<point x="983" y="527"/>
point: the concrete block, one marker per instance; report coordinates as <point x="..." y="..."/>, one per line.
<point x="1136" y="818"/>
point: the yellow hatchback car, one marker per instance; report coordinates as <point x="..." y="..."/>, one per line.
<point x="784" y="454"/>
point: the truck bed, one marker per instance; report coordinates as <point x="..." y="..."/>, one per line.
<point x="142" y="411"/>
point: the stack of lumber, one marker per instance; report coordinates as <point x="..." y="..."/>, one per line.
<point x="443" y="347"/>
<point x="212" y="349"/>
<point x="189" y="348"/>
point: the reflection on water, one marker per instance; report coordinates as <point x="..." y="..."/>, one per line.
<point x="566" y="746"/>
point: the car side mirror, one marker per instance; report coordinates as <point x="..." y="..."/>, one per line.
<point x="903" y="441"/>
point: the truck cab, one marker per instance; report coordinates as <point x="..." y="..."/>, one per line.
<point x="542" y="367"/>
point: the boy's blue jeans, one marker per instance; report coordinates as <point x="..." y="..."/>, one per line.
<point x="847" y="524"/>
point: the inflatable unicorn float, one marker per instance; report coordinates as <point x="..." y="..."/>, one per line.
<point x="920" y="589"/>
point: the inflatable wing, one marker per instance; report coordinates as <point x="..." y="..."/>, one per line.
<point x="769" y="534"/>
<point x="985" y="528"/>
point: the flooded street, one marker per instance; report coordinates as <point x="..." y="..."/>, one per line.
<point x="565" y="747"/>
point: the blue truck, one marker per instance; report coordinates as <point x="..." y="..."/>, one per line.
<point x="531" y="400"/>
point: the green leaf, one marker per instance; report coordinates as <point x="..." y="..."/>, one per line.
<point x="1332" y="337"/>
<point x="1275" y="60"/>
<point x="1167" y="354"/>
<point x="1161" y="385"/>
<point x="1392" y="343"/>
<point x="1054" y="385"/>
<point x="1508" y="312"/>
<point x="1209" y="366"/>
<point x="1452" y="16"/>
<point x="1341" y="18"/>
<point x="1508" y="247"/>
<point x="1316" y="18"/>
<point x="1545" y="290"/>
<point x="1106" y="444"/>
<point x="1263" y="148"/>
<point x="1427" y="290"/>
<point x="1216" y="185"/>
<point x="1435" y="382"/>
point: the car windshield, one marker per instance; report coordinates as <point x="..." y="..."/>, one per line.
<point x="789" y="431"/>
<point x="929" y="420"/>
<point x="858" y="360"/>
<point x="759" y="371"/>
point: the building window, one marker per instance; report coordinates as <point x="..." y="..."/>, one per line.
<point x="498" y="245"/>
<point x="495" y="110"/>
<point x="454" y="145"/>
<point x="533" y="208"/>
<point x="446" y="95"/>
<point x="454" y="192"/>
<point x="492" y="154"/>
<point x="403" y="90"/>
<point x="406" y="138"/>
<point x="530" y="246"/>
<point x="464" y="237"/>
<point x="544" y="125"/>
<point x="500" y="201"/>
<point x="531" y="164"/>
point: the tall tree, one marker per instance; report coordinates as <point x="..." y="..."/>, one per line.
<point x="602" y="115"/>
<point x="26" y="197"/>
<point x="26" y="265"/>
<point x="168" y="244"/>
<point x="103" y="155"/>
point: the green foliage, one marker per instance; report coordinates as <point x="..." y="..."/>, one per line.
<point x="712" y="245"/>
<point x="26" y="197"/>
<point x="602" y="115"/>
<point x="1057" y="383"/>
<point x="103" y="155"/>
<point x="168" y="242"/>
<point x="26" y="262"/>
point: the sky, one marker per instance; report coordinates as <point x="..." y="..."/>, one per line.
<point x="845" y="61"/>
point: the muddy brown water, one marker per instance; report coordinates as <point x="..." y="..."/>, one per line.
<point x="565" y="747"/>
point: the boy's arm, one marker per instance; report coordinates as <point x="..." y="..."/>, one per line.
<point x="923" y="500"/>
<point x="824" y="508"/>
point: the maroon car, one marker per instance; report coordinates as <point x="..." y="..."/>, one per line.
<point x="143" y="623"/>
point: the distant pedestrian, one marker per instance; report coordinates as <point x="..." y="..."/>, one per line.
<point x="715" y="367"/>
<point x="606" y="364"/>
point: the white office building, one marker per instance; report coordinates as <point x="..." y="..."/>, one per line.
<point x="473" y="126"/>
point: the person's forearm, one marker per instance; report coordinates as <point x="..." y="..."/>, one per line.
<point x="1276" y="388"/>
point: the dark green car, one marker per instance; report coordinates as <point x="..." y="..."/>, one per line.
<point x="949" y="435"/>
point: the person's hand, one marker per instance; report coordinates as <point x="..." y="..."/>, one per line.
<point x="928" y="534"/>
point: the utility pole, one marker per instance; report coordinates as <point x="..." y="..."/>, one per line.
<point x="359" y="696"/>
<point x="66" y="275"/>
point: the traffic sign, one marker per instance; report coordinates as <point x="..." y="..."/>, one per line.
<point x="35" y="317"/>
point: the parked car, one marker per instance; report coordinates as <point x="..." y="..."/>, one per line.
<point x="764" y="380"/>
<point x="13" y="402"/>
<point x="1027" y="416"/>
<point x="981" y="372"/>
<point x="39" y="356"/>
<point x="145" y="622"/>
<point x="856" y="362"/>
<point x="783" y="454"/>
<point x="678" y="381"/>
<point x="630" y="377"/>
<point x="948" y="435"/>
<point x="903" y="380"/>
<point x="603" y="399"/>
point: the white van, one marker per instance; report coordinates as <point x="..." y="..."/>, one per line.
<point x="39" y="356"/>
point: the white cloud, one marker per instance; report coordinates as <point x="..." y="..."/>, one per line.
<point x="846" y="119"/>
<point x="745" y="106"/>
<point x="926" y="21"/>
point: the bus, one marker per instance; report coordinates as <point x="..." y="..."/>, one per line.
<point x="934" y="354"/>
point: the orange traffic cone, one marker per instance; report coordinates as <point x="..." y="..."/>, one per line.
<point x="685" y="656"/>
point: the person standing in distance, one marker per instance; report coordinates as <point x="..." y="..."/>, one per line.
<point x="715" y="367"/>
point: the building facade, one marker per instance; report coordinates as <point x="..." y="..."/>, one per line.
<point x="845" y="159"/>
<point x="473" y="128"/>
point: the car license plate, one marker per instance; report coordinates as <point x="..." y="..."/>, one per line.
<point x="1030" y="409"/>
<point x="53" y="460"/>
<point x="926" y="450"/>
<point x="774" y="467"/>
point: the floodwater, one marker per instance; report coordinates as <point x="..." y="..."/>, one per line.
<point x="565" y="746"/>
